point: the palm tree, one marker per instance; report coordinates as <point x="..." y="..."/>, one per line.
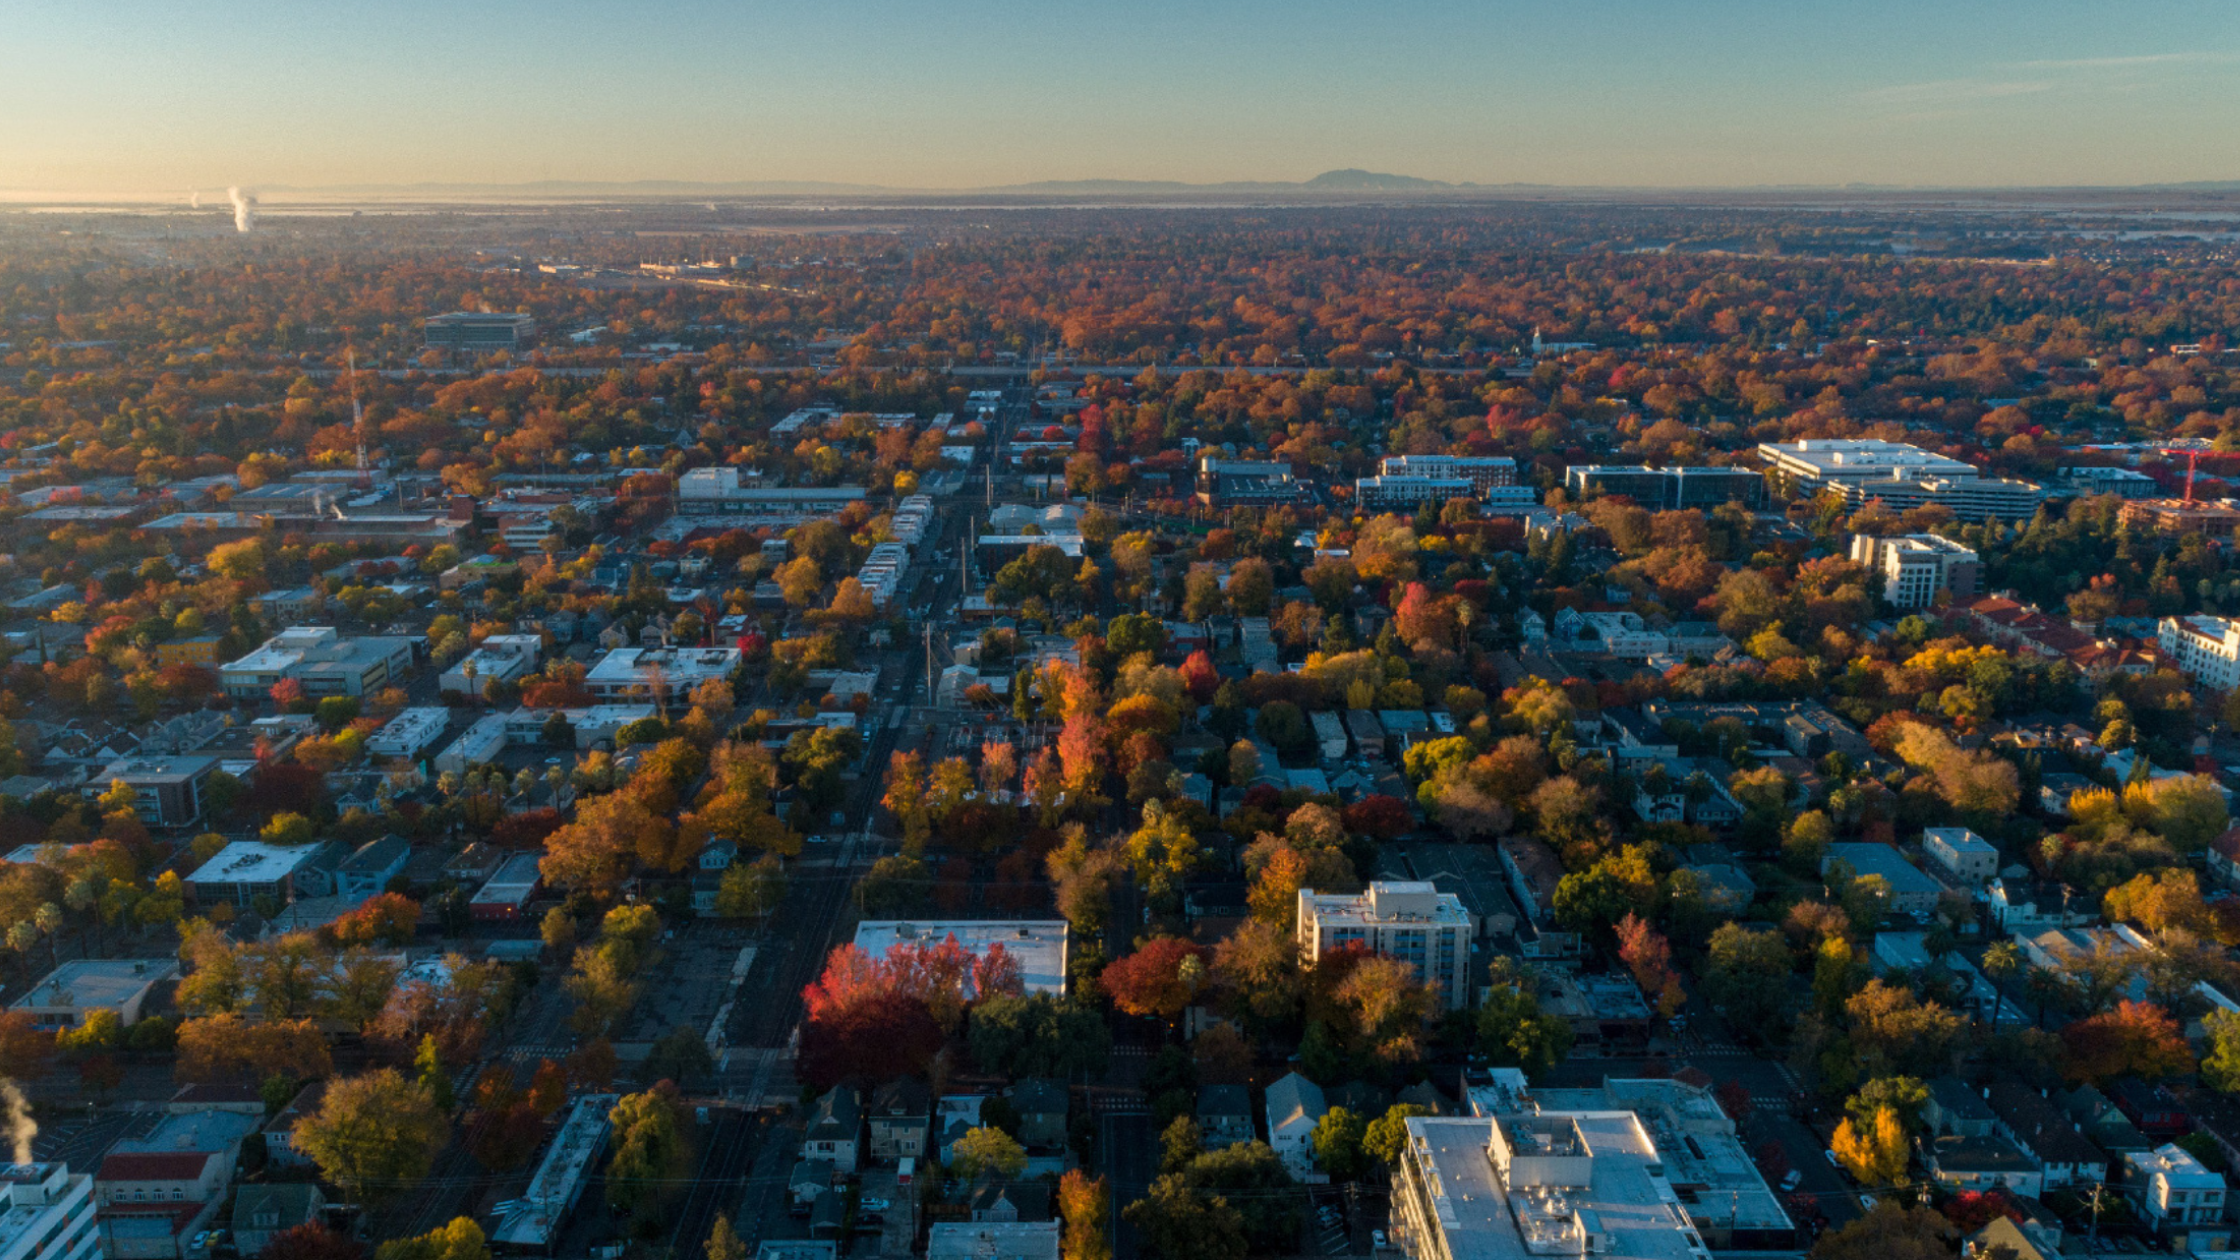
<point x="48" y="919"/>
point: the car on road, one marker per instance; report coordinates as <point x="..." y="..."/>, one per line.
<point x="1376" y="1238"/>
<point x="873" y="1205"/>
<point x="1790" y="1180"/>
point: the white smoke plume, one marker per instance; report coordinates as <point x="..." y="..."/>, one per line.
<point x="21" y="1127"/>
<point x="244" y="209"/>
<point x="194" y="201"/>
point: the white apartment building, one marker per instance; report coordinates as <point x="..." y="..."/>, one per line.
<point x="410" y="733"/>
<point x="2178" y="1195"/>
<point x="881" y="574"/>
<point x="1408" y="919"/>
<point x="499" y="658"/>
<point x="1915" y="567"/>
<point x="1962" y="853"/>
<point x="717" y="492"/>
<point x="1482" y="471"/>
<point x="639" y="675"/>
<point x="49" y="1214"/>
<point x="1969" y="498"/>
<point x="1406" y="494"/>
<point x="2206" y="648"/>
<point x="319" y="658"/>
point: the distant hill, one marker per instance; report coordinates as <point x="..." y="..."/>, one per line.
<point x="1371" y="181"/>
<point x="1345" y="181"/>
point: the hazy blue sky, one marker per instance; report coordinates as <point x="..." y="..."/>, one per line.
<point x="123" y="95"/>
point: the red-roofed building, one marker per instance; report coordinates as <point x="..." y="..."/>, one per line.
<point x="153" y="1202"/>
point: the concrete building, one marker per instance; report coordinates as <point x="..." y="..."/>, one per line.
<point x="2180" y="516"/>
<point x="594" y="726"/>
<point x="719" y="492"/>
<point x="1915" y="567"/>
<point x="410" y="733"/>
<point x="1968" y="498"/>
<point x="1808" y="466"/>
<point x="500" y="658"/>
<point x="81" y="986"/>
<point x="1410" y="920"/>
<point x="505" y="897"/>
<point x="325" y="663"/>
<point x="535" y="1220"/>
<point x="48" y="1214"/>
<point x="1667" y="489"/>
<point x="478" y="332"/>
<point x="659" y="675"/>
<point x="993" y="1240"/>
<point x="1483" y="472"/>
<point x="247" y="869"/>
<point x="476" y="745"/>
<point x="166" y="791"/>
<point x="1962" y="854"/>
<point x="2124" y="483"/>
<point x="2206" y="648"/>
<point x="1409" y="493"/>
<point x="1245" y="480"/>
<point x="1038" y="945"/>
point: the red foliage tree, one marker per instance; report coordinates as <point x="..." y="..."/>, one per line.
<point x="1201" y="677"/>
<point x="1971" y="1210"/>
<point x="1151" y="981"/>
<point x="312" y="1241"/>
<point x="385" y="918"/>
<point x="1379" y="816"/>
<point x="527" y="829"/>
<point x="2136" y="1039"/>
<point x="882" y="1037"/>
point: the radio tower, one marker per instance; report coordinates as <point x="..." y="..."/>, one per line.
<point x="358" y="425"/>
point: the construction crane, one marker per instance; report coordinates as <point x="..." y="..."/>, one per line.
<point x="358" y="425"/>
<point x="2192" y="452"/>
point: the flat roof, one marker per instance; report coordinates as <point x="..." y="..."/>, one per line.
<point x="95" y="982"/>
<point x="552" y="1192"/>
<point x="1627" y="1202"/>
<point x="1039" y="945"/>
<point x="252" y="862"/>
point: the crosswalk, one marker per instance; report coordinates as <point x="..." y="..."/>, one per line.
<point x="531" y="1054"/>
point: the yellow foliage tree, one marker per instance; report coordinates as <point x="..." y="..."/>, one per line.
<point x="1876" y="1154"/>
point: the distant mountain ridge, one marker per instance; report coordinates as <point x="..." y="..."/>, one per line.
<point x="1351" y="180"/>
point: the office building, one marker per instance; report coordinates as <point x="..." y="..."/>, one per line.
<point x="718" y="492"/>
<point x="478" y="332"/>
<point x="477" y="745"/>
<point x="2124" y="483"/>
<point x="1037" y="945"/>
<point x="410" y="733"/>
<point x="49" y="1214"/>
<point x="1967" y="498"/>
<point x="499" y="658"/>
<point x="1809" y="466"/>
<point x="1667" y="489"/>
<point x="1407" y="919"/>
<point x="659" y="675"/>
<point x="247" y="869"/>
<point x="83" y="985"/>
<point x="1917" y="566"/>
<point x="2205" y="648"/>
<point x="1245" y="480"/>
<point x="1392" y="493"/>
<point x="1482" y="471"/>
<point x="166" y="791"/>
<point x="322" y="661"/>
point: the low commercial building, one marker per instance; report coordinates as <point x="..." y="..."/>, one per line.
<point x="993" y="1240"/>
<point x="2123" y="483"/>
<point x="410" y="733"/>
<point x="478" y="332"/>
<point x="1037" y="945"/>
<point x="1808" y="466"/>
<point x="248" y="869"/>
<point x="719" y="492"/>
<point x="1915" y="567"/>
<point x="476" y="745"/>
<point x="1245" y="480"/>
<point x="593" y="726"/>
<point x="505" y="898"/>
<point x="661" y="676"/>
<point x="82" y="986"/>
<point x="48" y="1214"/>
<point x="166" y="791"/>
<point x="1409" y="920"/>
<point x="534" y="1221"/>
<point x="321" y="660"/>
<point x="500" y="658"/>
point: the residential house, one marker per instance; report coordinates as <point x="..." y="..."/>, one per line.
<point x="2224" y="858"/>
<point x="369" y="870"/>
<point x="809" y="1181"/>
<point x="1224" y="1116"/>
<point x="1983" y="1163"/>
<point x="996" y="1202"/>
<point x="1955" y="1110"/>
<point x="262" y="1211"/>
<point x="2179" y="1198"/>
<point x="1295" y="1106"/>
<point x="2034" y="1123"/>
<point x="835" y="1129"/>
<point x="2098" y="1118"/>
<point x="1042" y="1107"/>
<point x="2023" y="909"/>
<point x="901" y="1111"/>
<point x="1911" y="891"/>
<point x="2156" y="1111"/>
<point x="279" y="1135"/>
<point x="1962" y="854"/>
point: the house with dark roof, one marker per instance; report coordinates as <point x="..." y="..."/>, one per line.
<point x="997" y="1202"/>
<point x="1042" y="1108"/>
<point x="1955" y="1110"/>
<point x="1224" y="1116"/>
<point x="262" y="1211"/>
<point x="835" y="1128"/>
<point x="1983" y="1163"/>
<point x="2034" y="1123"/>
<point x="901" y="1111"/>
<point x="2098" y="1118"/>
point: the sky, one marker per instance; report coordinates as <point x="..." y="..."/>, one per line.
<point x="126" y="96"/>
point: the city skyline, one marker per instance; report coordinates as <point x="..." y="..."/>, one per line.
<point x="150" y="102"/>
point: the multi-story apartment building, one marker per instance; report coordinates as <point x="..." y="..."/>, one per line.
<point x="49" y="1214"/>
<point x="1814" y="464"/>
<point x="1482" y="471"/>
<point x="319" y="658"/>
<point x="1915" y="567"/>
<point x="1668" y="489"/>
<point x="1398" y="493"/>
<point x="2206" y="648"/>
<point x="1410" y="920"/>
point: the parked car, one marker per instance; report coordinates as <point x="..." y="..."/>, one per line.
<point x="1790" y="1179"/>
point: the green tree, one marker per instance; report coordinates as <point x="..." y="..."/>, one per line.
<point x="374" y="1135"/>
<point x="1337" y="1143"/>
<point x="2220" y="1068"/>
<point x="1387" y="1135"/>
<point x="1747" y="976"/>
<point x="650" y="1153"/>
<point x="1037" y="1034"/>
<point x="1179" y="1223"/>
<point x="1513" y="1033"/>
<point x="750" y="890"/>
<point x="987" y="1149"/>
<point x="462" y="1239"/>
<point x="428" y="1064"/>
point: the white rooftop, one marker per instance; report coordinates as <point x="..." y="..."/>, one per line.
<point x="1038" y="945"/>
<point x="252" y="862"/>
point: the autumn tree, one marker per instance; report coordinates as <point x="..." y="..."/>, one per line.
<point x="1158" y="980"/>
<point x="1083" y="1204"/>
<point x="2133" y="1039"/>
<point x="374" y="1135"/>
<point x="1874" y="1151"/>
